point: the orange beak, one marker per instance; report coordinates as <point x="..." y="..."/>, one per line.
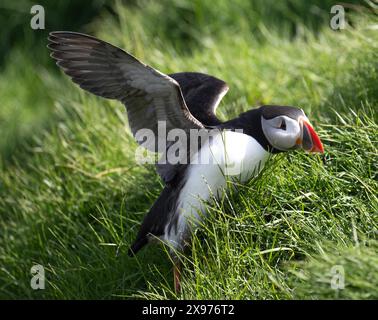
<point x="310" y="140"/>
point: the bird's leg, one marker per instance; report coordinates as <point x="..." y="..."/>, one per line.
<point x="177" y="276"/>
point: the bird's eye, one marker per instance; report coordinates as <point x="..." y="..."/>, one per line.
<point x="283" y="125"/>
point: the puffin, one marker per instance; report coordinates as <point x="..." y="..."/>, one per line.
<point x="200" y="165"/>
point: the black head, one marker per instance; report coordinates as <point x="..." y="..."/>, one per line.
<point x="273" y="111"/>
<point x="279" y="128"/>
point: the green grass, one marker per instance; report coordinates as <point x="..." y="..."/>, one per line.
<point x="71" y="193"/>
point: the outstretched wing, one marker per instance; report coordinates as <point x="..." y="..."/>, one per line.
<point x="107" y="71"/>
<point x="202" y="94"/>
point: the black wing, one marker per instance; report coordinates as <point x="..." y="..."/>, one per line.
<point x="183" y="100"/>
<point x="202" y="94"/>
<point x="107" y="71"/>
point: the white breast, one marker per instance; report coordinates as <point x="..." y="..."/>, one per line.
<point x="233" y="155"/>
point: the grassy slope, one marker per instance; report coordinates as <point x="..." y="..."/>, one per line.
<point x="68" y="196"/>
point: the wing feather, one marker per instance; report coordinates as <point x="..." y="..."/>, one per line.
<point x="107" y="71"/>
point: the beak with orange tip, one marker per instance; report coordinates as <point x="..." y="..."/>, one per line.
<point x="309" y="141"/>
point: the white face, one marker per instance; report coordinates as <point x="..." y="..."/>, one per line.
<point x="282" y="132"/>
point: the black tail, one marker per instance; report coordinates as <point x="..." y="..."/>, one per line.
<point x="157" y="218"/>
<point x="136" y="246"/>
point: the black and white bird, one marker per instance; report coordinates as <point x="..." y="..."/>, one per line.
<point x="188" y="101"/>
